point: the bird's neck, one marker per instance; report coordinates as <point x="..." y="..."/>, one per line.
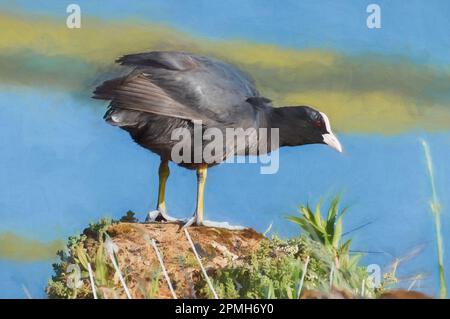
<point x="289" y="121"/>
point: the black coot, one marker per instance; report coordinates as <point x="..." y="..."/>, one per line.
<point x="167" y="91"/>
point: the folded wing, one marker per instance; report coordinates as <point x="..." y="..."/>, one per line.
<point x="185" y="86"/>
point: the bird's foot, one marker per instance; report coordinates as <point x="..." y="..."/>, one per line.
<point x="160" y="215"/>
<point x="208" y="223"/>
<point x="224" y="225"/>
<point x="192" y="222"/>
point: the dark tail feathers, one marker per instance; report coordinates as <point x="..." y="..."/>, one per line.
<point x="106" y="91"/>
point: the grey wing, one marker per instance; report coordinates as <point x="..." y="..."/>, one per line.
<point x="207" y="87"/>
<point x="136" y="92"/>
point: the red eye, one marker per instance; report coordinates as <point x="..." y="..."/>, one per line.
<point x="318" y="123"/>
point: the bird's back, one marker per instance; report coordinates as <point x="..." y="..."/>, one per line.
<point x="166" y="89"/>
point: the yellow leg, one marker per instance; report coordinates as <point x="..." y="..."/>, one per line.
<point x="160" y="213"/>
<point x="201" y="179"/>
<point x="163" y="176"/>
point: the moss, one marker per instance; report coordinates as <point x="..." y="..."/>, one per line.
<point x="71" y="277"/>
<point x="275" y="271"/>
<point x="266" y="268"/>
<point x="129" y="218"/>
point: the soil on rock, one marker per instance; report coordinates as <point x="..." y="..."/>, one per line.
<point x="138" y="260"/>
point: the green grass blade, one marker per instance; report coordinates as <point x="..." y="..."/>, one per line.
<point x="101" y="270"/>
<point x="337" y="234"/>
<point x="436" y="210"/>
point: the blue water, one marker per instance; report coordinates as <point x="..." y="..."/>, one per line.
<point x="61" y="167"/>
<point x="418" y="29"/>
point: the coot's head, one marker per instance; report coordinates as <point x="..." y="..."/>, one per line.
<point x="300" y="125"/>
<point x="321" y="128"/>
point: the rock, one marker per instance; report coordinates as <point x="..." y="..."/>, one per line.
<point x="138" y="261"/>
<point x="404" y="294"/>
